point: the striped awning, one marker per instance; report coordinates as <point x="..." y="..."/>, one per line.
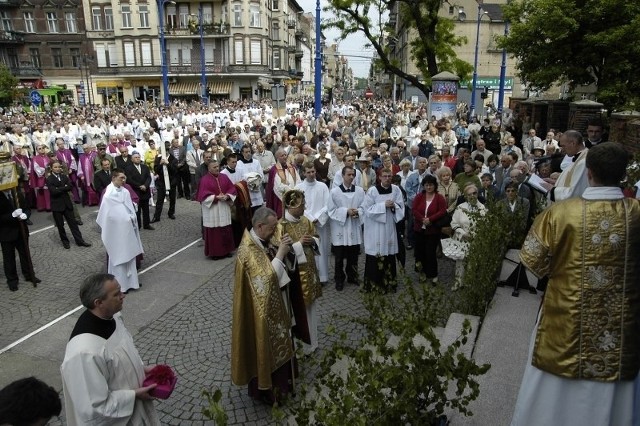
<point x="220" y="87"/>
<point x="184" y="88"/>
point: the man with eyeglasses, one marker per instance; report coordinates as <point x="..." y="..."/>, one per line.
<point x="102" y="155"/>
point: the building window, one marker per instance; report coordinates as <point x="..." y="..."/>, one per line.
<point x="52" y="22"/>
<point x="237" y="15"/>
<point x="70" y="21"/>
<point x="108" y="18"/>
<point x="275" y="31"/>
<point x="225" y="14"/>
<point x="125" y="10"/>
<point x="239" y="51"/>
<point x="6" y="21"/>
<point x="207" y="14"/>
<point x="113" y="55"/>
<point x="101" y="55"/>
<point x="277" y="64"/>
<point x="34" y="54"/>
<point x="143" y="9"/>
<point x="12" y="58"/>
<point x="171" y="16"/>
<point x="75" y="57"/>
<point x="256" y="52"/>
<point x="275" y="5"/>
<point x="29" y="22"/>
<point x="183" y="11"/>
<point x="145" y="49"/>
<point x="129" y="54"/>
<point x="96" y="18"/>
<point x="254" y="14"/>
<point x="56" y="57"/>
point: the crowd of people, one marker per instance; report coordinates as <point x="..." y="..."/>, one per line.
<point x="284" y="194"/>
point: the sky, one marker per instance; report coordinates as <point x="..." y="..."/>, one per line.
<point x="352" y="45"/>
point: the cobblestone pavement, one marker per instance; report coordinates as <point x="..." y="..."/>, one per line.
<point x="181" y="316"/>
<point x="62" y="270"/>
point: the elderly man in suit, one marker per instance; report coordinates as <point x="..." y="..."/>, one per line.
<point x="139" y="178"/>
<point x="62" y="207"/>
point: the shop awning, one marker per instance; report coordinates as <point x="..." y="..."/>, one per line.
<point x="48" y="92"/>
<point x="220" y="87"/>
<point x="184" y="88"/>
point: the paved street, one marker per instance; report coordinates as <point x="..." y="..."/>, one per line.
<point x="181" y="316"/>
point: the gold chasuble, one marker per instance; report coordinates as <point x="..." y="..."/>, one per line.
<point x="261" y="341"/>
<point x="589" y="324"/>
<point x="311" y="288"/>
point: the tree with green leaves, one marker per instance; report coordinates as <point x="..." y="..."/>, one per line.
<point x="8" y="84"/>
<point x="578" y="42"/>
<point x="431" y="45"/>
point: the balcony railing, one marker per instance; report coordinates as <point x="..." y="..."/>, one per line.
<point x="299" y="53"/>
<point x="194" y="68"/>
<point x="248" y="68"/>
<point x="10" y="3"/>
<point x="26" y="69"/>
<point x="11" y="37"/>
<point x="207" y="30"/>
<point x="291" y="23"/>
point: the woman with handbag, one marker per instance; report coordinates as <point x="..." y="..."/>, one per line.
<point x="428" y="208"/>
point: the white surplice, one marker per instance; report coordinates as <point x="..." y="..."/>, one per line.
<point x="380" y="236"/>
<point x="345" y="230"/>
<point x="99" y="377"/>
<point x="120" y="235"/>
<point x="316" y="195"/>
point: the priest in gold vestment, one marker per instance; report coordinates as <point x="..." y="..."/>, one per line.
<point x="305" y="287"/>
<point x="262" y="354"/>
<point x="585" y="351"/>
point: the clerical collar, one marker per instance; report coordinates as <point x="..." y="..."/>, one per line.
<point x="230" y="170"/>
<point x="383" y="190"/>
<point x="575" y="157"/>
<point x="350" y="189"/>
<point x="246" y="161"/>
<point x="92" y="324"/>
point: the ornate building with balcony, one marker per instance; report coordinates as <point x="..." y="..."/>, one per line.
<point x="42" y="42"/>
<point x="238" y="48"/>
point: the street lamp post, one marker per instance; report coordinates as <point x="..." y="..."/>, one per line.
<point x="163" y="50"/>
<point x="472" y="110"/>
<point x="203" y="69"/>
<point x="318" y="66"/>
<point x="503" y="71"/>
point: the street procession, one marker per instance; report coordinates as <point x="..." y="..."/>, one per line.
<point x="336" y="238"/>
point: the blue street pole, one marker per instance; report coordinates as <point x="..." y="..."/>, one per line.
<point x="472" y="110"/>
<point x="318" y="67"/>
<point x="163" y="53"/>
<point x="503" y="71"/>
<point x="203" y="69"/>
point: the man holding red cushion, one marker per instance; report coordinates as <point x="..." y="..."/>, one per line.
<point x="102" y="372"/>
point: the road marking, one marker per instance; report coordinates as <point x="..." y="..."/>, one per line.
<point x="41" y="229"/>
<point x="74" y="310"/>
<point x="50" y="226"/>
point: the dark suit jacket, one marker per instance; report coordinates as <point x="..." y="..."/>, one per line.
<point x="137" y="179"/>
<point x="121" y="164"/>
<point x="59" y="190"/>
<point x="9" y="225"/>
<point x="172" y="167"/>
<point x="100" y="181"/>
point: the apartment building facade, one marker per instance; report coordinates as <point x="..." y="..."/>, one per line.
<point x="110" y="51"/>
